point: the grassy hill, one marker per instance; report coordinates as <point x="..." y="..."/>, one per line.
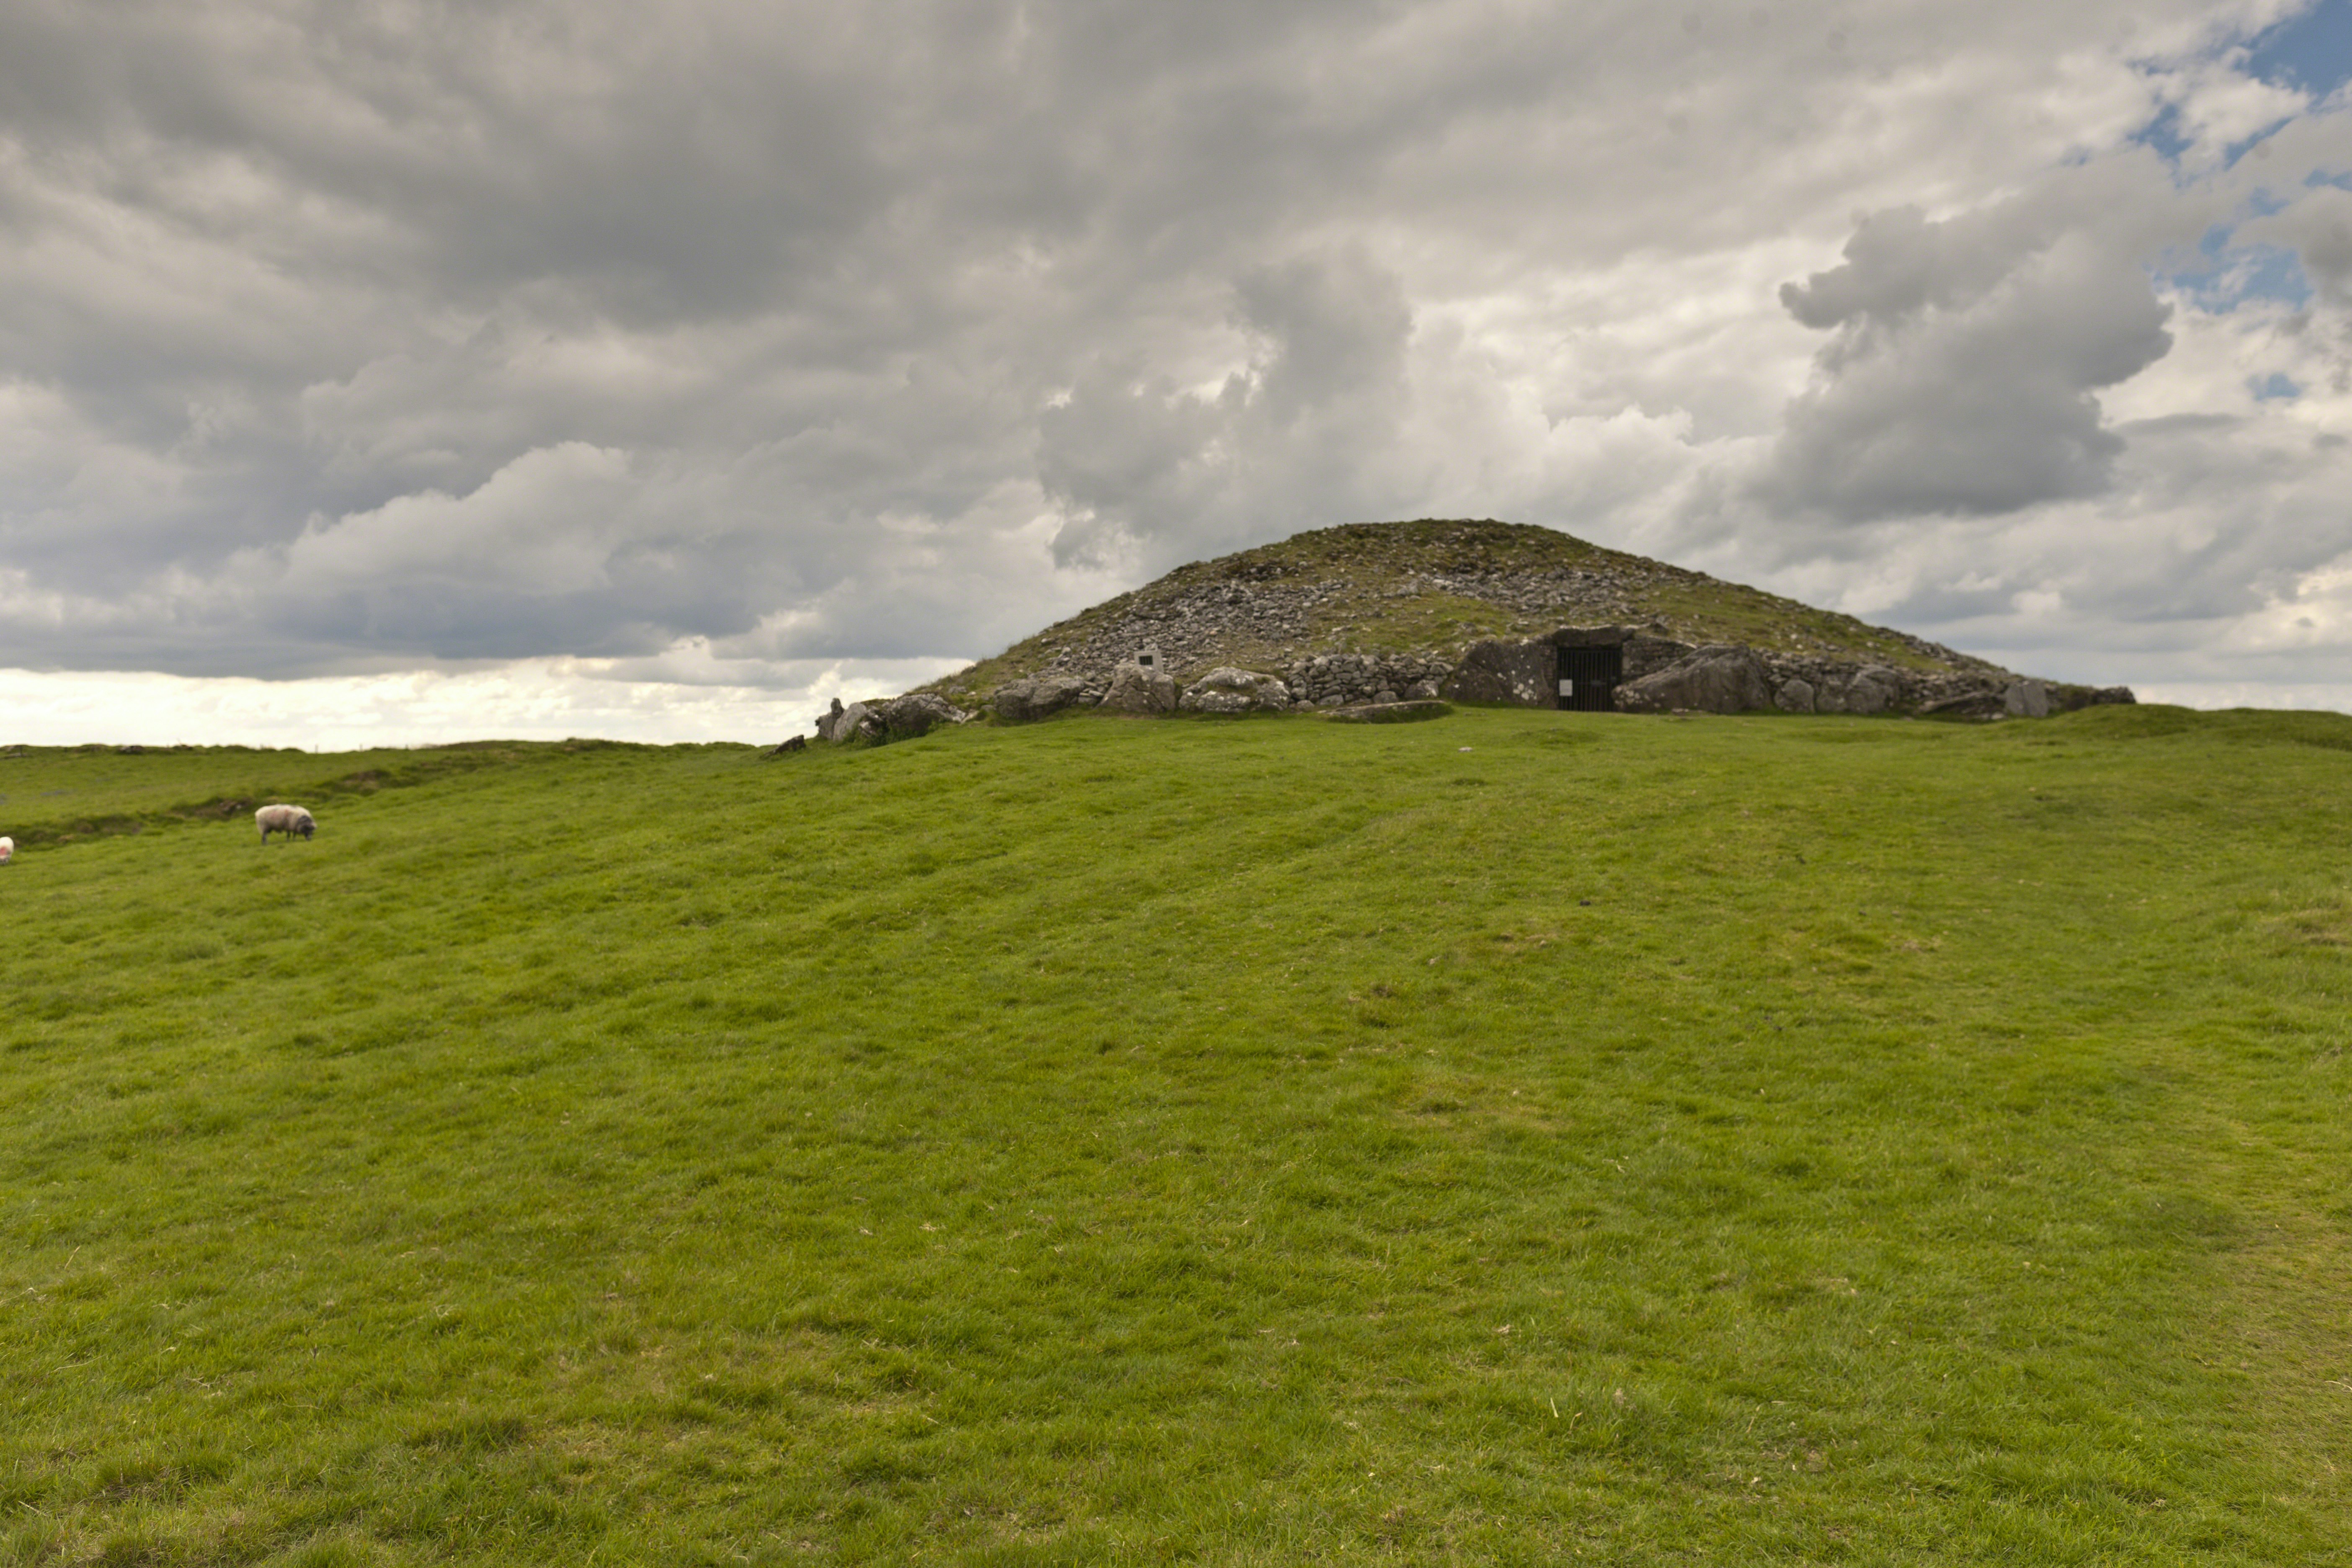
<point x="1528" y="1137"/>
<point x="1429" y="586"/>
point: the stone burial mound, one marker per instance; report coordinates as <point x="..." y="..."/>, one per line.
<point x="1366" y="616"/>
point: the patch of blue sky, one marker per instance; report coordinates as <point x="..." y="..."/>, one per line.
<point x="2310" y="51"/>
<point x="2238" y="150"/>
<point x="2162" y="134"/>
<point x="2276" y="387"/>
<point x="2222" y="277"/>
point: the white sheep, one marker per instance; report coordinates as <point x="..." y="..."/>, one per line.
<point x="7" y="848"/>
<point x="286" y="819"/>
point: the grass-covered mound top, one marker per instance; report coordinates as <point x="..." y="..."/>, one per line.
<point x="1429" y="587"/>
<point x="1523" y="1138"/>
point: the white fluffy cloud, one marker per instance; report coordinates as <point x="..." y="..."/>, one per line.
<point x="718" y="347"/>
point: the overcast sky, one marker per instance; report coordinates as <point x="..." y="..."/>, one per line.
<point x="423" y="371"/>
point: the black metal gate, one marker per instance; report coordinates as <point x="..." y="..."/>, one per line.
<point x="1589" y="677"/>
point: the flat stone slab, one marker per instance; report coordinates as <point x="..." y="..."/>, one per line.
<point x="1389" y="712"/>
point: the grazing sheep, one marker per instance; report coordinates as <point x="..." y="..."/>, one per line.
<point x="7" y="848"/>
<point x="286" y="819"/>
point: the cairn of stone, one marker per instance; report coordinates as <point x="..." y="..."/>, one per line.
<point x="1377" y="613"/>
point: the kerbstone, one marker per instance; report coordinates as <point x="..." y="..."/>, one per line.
<point x="1136" y="690"/>
<point x="1721" y="678"/>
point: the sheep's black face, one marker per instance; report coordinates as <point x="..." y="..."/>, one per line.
<point x="309" y="829"/>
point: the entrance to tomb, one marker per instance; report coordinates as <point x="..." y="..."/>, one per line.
<point x="1589" y="677"/>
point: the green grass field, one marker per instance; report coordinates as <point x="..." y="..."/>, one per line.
<point x="1523" y="1138"/>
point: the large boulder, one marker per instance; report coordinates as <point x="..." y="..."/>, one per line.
<point x="1721" y="678"/>
<point x="1137" y="689"/>
<point x="1019" y="701"/>
<point x="1499" y="670"/>
<point x="843" y="724"/>
<point x="2027" y="699"/>
<point x="917" y="713"/>
<point x="1230" y="691"/>
<point x="1873" y="688"/>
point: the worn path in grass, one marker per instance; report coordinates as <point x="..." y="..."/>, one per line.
<point x="1625" y="1139"/>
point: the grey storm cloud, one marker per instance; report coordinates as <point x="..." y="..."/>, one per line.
<point x="2320" y="228"/>
<point x="1964" y="359"/>
<point x="358" y="336"/>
